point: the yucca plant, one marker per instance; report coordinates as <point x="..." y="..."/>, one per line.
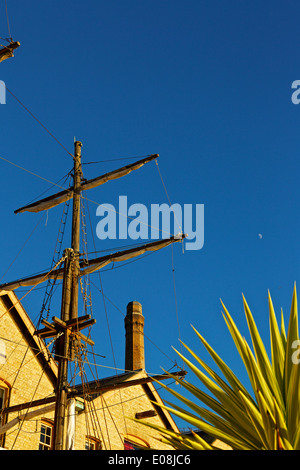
<point x="266" y="419"/>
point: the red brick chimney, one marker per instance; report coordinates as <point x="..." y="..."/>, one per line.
<point x="134" y="329"/>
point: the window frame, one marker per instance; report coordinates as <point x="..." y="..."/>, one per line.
<point x="5" y="401"/>
<point x="47" y="423"/>
<point x="91" y="440"/>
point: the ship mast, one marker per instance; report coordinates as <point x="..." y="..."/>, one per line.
<point x="67" y="329"/>
<point x="69" y="307"/>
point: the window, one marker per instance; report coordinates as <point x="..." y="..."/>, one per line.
<point x="4" y="400"/>
<point x="4" y="394"/>
<point x="46" y="436"/>
<point x="91" y="443"/>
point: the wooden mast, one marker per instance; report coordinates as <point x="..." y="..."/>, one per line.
<point x="69" y="308"/>
<point x="67" y="328"/>
<point x="76" y="227"/>
<point x="62" y="355"/>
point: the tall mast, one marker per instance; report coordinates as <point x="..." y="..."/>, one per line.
<point x="76" y="197"/>
<point x="67" y="328"/>
<point x="76" y="227"/>
<point x="62" y="355"/>
<point x="69" y="307"/>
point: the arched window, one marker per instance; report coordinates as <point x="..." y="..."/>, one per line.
<point x="132" y="442"/>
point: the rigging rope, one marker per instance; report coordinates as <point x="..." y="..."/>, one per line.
<point x="86" y="289"/>
<point x="173" y="268"/>
<point x="31" y="172"/>
<point x="21" y="424"/>
<point x="180" y="228"/>
<point x="94" y="417"/>
<point x="45" y="277"/>
<point x="84" y="198"/>
<point x="115" y="159"/>
<point x="57" y="251"/>
<point x="145" y="336"/>
<point x="106" y="315"/>
<point x="7" y="19"/>
<point x="38" y="121"/>
<point x="101" y="290"/>
<point x="22" y="248"/>
<point x="83" y="361"/>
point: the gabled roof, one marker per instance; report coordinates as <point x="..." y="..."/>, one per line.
<point x="127" y="379"/>
<point x="14" y="308"/>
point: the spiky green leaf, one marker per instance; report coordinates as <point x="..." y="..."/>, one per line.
<point x="270" y="419"/>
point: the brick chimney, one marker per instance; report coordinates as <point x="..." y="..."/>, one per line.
<point x="134" y="329"/>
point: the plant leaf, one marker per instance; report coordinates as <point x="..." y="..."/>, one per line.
<point x="261" y="356"/>
<point x="268" y="420"/>
<point x="277" y="346"/>
<point x="293" y="401"/>
<point x="211" y="430"/>
<point x="292" y="336"/>
<point x="230" y="376"/>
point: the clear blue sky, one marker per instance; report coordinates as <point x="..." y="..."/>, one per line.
<point x="207" y="85"/>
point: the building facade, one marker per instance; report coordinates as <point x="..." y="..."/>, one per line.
<point x="99" y="413"/>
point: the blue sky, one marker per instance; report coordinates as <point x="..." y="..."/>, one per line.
<point x="207" y="85"/>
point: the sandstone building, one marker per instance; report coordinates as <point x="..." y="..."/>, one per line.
<point x="97" y="420"/>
